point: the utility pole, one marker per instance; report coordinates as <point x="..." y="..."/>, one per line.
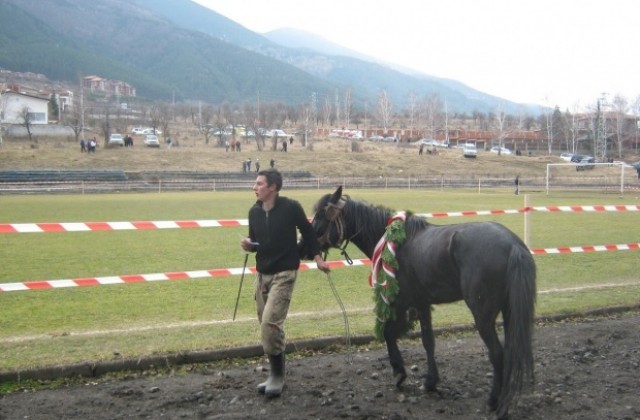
<point x="600" y="138"/>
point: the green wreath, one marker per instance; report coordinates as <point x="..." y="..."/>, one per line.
<point x="385" y="296"/>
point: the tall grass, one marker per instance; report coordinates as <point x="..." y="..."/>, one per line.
<point x="97" y="323"/>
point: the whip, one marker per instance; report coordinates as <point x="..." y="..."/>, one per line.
<point x="244" y="267"/>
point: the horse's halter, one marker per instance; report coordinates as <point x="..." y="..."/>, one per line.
<point x="333" y="215"/>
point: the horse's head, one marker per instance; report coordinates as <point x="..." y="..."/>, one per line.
<point x="328" y="223"/>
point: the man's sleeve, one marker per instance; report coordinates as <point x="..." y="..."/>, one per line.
<point x="308" y="235"/>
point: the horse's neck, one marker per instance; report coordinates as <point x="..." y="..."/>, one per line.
<point x="367" y="233"/>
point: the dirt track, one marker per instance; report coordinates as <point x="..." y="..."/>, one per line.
<point x="584" y="370"/>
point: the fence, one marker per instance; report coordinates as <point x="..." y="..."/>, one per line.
<point x="223" y="272"/>
<point x="114" y="181"/>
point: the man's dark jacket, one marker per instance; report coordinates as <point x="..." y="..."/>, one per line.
<point x="276" y="233"/>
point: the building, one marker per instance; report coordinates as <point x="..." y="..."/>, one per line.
<point x="13" y="103"/>
<point x="97" y="84"/>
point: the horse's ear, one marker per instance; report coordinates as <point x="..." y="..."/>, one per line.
<point x="335" y="197"/>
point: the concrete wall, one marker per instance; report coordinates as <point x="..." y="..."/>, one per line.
<point x="18" y="131"/>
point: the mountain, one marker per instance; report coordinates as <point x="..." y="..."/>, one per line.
<point x="123" y="40"/>
<point x="295" y="38"/>
<point x="177" y="48"/>
<point x="335" y="63"/>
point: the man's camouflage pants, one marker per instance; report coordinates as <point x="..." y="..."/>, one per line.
<point x="273" y="295"/>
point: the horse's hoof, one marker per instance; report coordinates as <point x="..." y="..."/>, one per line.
<point x="399" y="377"/>
<point x="430" y="384"/>
<point x="504" y="416"/>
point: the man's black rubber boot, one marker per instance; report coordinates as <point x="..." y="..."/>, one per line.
<point x="275" y="383"/>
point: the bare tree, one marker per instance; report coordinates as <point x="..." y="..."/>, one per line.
<point x="432" y="111"/>
<point x="620" y="109"/>
<point x="27" y="121"/>
<point x="155" y="116"/>
<point x="384" y="110"/>
<point x="413" y="111"/>
<point x="347" y="108"/>
<point x="165" y="116"/>
<point x="336" y="106"/>
<point x="3" y="105"/>
<point x="326" y="112"/>
<point x="549" y="126"/>
<point x="636" y="111"/>
<point x="76" y="119"/>
<point x="574" y="130"/>
<point x="500" y="127"/>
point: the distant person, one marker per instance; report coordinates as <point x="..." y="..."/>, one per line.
<point x="516" y="183"/>
<point x="257" y="165"/>
<point x="421" y="150"/>
<point x="284" y="145"/>
<point x="83" y="147"/>
<point x="291" y="140"/>
<point x="92" y="145"/>
<point x="272" y="163"/>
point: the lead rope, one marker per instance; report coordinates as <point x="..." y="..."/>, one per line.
<point x="347" y="330"/>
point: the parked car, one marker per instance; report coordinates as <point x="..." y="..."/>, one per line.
<point x="137" y="130"/>
<point x="222" y="133"/>
<point x="501" y="150"/>
<point x="116" y="139"/>
<point x="566" y="156"/>
<point x="469" y="150"/>
<point x="151" y="140"/>
<point x="276" y="133"/>
<point x="376" y="138"/>
<point x="428" y="142"/>
<point x="577" y="158"/>
<point x="587" y="162"/>
<point x="151" y="131"/>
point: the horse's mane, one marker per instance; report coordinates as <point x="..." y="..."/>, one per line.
<point x="368" y="219"/>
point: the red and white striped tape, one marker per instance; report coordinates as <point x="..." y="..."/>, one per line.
<point x="181" y="224"/>
<point x="587" y="248"/>
<point x="597" y="208"/>
<point x="107" y="226"/>
<point x="225" y="272"/>
<point x="548" y="209"/>
<point x="141" y="278"/>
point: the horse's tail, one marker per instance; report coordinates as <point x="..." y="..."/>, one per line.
<point x="518" y="325"/>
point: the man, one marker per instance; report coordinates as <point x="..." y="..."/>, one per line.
<point x="274" y="222"/>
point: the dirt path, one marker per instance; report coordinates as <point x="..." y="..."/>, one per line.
<point x="584" y="370"/>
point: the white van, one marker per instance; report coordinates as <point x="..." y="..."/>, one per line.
<point x="469" y="150"/>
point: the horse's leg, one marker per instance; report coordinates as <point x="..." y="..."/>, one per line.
<point x="486" y="325"/>
<point x="429" y="344"/>
<point x="391" y="331"/>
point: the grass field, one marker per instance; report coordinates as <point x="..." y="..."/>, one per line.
<point x="68" y="325"/>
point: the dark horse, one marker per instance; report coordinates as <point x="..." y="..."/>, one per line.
<point x="483" y="263"/>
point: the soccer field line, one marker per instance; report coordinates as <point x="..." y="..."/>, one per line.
<point x="301" y="315"/>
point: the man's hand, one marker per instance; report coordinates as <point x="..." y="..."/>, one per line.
<point x="322" y="264"/>
<point x="247" y="245"/>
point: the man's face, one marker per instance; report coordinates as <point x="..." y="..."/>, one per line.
<point x="263" y="191"/>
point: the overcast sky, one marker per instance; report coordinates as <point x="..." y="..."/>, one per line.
<point x="549" y="52"/>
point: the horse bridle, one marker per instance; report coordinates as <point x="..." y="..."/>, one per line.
<point x="333" y="215"/>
